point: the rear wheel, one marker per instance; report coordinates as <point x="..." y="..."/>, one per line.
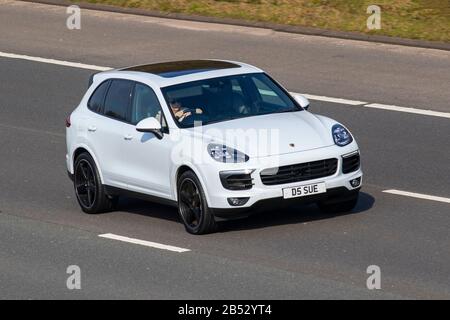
<point x="193" y="207"/>
<point x="337" y="206"/>
<point x="89" y="190"/>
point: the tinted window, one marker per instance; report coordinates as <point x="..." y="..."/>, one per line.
<point x="226" y="98"/>
<point x="96" y="101"/>
<point x="145" y="104"/>
<point x="270" y="94"/>
<point x="117" y="100"/>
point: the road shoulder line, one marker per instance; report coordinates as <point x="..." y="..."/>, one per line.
<point x="334" y="100"/>
<point x="53" y="61"/>
<point x="408" y="110"/>
<point x="309" y="96"/>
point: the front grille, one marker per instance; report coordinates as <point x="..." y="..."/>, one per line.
<point x="350" y="163"/>
<point x="236" y="181"/>
<point x="299" y="172"/>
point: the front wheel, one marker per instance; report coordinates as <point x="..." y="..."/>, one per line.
<point x="193" y="207"/>
<point x="336" y="206"/>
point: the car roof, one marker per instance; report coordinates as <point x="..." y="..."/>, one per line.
<point x="175" y="72"/>
<point x="179" y="68"/>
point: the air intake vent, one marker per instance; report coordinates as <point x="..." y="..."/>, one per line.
<point x="350" y="163"/>
<point x="299" y="172"/>
<point x="236" y="180"/>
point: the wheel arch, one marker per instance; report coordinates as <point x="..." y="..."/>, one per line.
<point x="182" y="169"/>
<point x="85" y="149"/>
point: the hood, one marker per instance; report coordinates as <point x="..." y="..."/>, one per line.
<point x="272" y="134"/>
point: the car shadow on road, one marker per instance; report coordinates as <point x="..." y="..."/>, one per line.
<point x="148" y="209"/>
<point x="290" y="215"/>
<point x="293" y="215"/>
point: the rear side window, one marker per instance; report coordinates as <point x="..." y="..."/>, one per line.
<point x="117" y="102"/>
<point x="98" y="97"/>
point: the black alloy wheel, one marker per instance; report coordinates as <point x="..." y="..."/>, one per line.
<point x="193" y="207"/>
<point x="89" y="190"/>
<point x="85" y="184"/>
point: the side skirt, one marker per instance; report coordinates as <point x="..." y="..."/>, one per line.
<point x="114" y="191"/>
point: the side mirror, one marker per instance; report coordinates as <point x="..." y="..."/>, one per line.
<point x="301" y="100"/>
<point x="150" y="125"/>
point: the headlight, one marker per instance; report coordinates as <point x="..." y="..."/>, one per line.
<point x="223" y="153"/>
<point x="341" y="135"/>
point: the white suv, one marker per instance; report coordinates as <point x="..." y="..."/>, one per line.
<point x="217" y="139"/>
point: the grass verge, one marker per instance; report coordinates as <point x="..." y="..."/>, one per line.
<point x="413" y="19"/>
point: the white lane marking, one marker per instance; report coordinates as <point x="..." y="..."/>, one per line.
<point x="409" y="110"/>
<point x="423" y="112"/>
<point x="143" y="243"/>
<point x="417" y="195"/>
<point x="308" y="96"/>
<point x="59" y="135"/>
<point x="334" y="100"/>
<point x="53" y="61"/>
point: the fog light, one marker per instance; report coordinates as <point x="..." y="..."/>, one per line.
<point x="355" y="183"/>
<point x="236" y="202"/>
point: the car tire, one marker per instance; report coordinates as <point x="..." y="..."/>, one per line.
<point x="193" y="206"/>
<point x="336" y="206"/>
<point x="89" y="190"/>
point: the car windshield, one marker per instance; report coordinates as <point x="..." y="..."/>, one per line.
<point x="226" y="98"/>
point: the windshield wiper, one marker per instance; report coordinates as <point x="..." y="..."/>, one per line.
<point x="281" y="111"/>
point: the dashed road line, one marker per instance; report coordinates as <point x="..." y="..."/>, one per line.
<point x="417" y="195"/>
<point x="144" y="243"/>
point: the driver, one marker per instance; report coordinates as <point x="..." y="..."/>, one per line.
<point x="181" y="113"/>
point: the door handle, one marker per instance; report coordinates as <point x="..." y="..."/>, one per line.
<point x="128" y="137"/>
<point x="92" y="128"/>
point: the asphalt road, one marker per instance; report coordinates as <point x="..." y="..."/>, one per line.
<point x="291" y="254"/>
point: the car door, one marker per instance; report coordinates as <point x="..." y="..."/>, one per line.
<point x="106" y="129"/>
<point x="148" y="169"/>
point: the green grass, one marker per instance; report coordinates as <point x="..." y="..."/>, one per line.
<point x="414" y="19"/>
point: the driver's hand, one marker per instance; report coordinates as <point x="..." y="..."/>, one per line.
<point x="179" y="114"/>
<point x="184" y="116"/>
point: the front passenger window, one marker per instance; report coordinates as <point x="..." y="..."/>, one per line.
<point x="145" y="105"/>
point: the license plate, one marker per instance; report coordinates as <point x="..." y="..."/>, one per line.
<point x="305" y="190"/>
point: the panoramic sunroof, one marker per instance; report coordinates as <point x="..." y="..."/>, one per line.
<point x="181" y="68"/>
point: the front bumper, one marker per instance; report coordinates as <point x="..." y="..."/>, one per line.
<point x="338" y="194"/>
<point x="217" y="195"/>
